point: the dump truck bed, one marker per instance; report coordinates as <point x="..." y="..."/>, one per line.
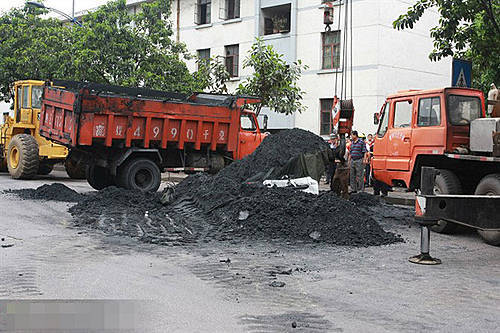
<point x="91" y="114"/>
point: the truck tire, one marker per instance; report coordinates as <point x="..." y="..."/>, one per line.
<point x="44" y="168"/>
<point x="217" y="163"/>
<point x="74" y="170"/>
<point x="489" y="185"/>
<point x="446" y="183"/>
<point x="22" y="157"/>
<point x="140" y="174"/>
<point x="98" y="177"/>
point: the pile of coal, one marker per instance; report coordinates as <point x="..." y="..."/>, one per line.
<point x="135" y="214"/>
<point x="280" y="213"/>
<point x="365" y="199"/>
<point x="49" y="192"/>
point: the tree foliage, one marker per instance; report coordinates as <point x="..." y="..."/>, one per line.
<point x="273" y="80"/>
<point x="467" y="29"/>
<point x="212" y="75"/>
<point x="114" y="46"/>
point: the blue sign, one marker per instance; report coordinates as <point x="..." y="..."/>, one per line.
<point x="461" y="73"/>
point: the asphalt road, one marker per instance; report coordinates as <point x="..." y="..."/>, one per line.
<point x="196" y="289"/>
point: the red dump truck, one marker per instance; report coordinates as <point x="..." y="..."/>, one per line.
<point x="127" y="136"/>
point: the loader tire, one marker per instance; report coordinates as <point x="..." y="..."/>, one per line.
<point x="74" y="170"/>
<point x="446" y="183"/>
<point x="45" y="168"/>
<point x="140" y="174"/>
<point x="489" y="185"/>
<point x="22" y="157"/>
<point x="98" y="177"/>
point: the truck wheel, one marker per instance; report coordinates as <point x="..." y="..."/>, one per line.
<point x="217" y="163"/>
<point x="22" y="157"/>
<point x="74" y="170"/>
<point x="45" y="168"/>
<point x="446" y="183"/>
<point x="140" y="174"/>
<point x="489" y="185"/>
<point x="98" y="177"/>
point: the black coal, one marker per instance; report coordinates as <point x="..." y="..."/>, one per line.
<point x="49" y="192"/>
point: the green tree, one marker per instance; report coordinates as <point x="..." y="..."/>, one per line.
<point x="273" y="80"/>
<point x="114" y="46"/>
<point x="117" y="47"/>
<point x="212" y="75"/>
<point x="467" y="29"/>
<point x="31" y="47"/>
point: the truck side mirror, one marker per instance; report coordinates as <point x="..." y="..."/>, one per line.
<point x="264" y="124"/>
<point x="376" y="118"/>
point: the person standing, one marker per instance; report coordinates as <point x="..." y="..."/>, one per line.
<point x="331" y="167"/>
<point x="369" y="147"/>
<point x="357" y="155"/>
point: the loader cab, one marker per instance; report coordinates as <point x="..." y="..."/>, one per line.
<point x="27" y="103"/>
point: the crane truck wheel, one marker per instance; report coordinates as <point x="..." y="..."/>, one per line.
<point x="98" y="177"/>
<point x="45" y="168"/>
<point x="140" y="174"/>
<point x="22" y="157"/>
<point x="489" y="185"/>
<point x="446" y="183"/>
<point x="74" y="170"/>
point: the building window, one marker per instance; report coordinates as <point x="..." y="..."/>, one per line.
<point x="276" y="19"/>
<point x="326" y="116"/>
<point x="204" y="56"/>
<point x="331" y="50"/>
<point x="229" y="9"/>
<point x="202" y="11"/>
<point x="232" y="58"/>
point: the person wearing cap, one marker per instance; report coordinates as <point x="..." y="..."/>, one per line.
<point x="357" y="156"/>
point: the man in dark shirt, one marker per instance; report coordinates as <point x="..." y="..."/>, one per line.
<point x="357" y="154"/>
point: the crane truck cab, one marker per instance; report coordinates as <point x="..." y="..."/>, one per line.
<point x="440" y="128"/>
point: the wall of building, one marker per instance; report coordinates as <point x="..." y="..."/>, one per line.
<point x="384" y="60"/>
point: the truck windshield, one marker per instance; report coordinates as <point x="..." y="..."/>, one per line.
<point x="463" y="109"/>
<point x="36" y="97"/>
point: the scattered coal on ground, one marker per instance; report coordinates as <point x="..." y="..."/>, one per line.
<point x="365" y="199"/>
<point x="49" y="192"/>
<point x="229" y="207"/>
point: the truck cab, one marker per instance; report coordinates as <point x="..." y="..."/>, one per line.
<point x="424" y="127"/>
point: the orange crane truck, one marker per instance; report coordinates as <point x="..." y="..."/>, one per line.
<point x="127" y="136"/>
<point x="449" y="130"/>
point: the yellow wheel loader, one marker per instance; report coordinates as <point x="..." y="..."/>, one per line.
<point x="23" y="152"/>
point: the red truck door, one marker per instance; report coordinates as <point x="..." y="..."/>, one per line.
<point x="429" y="132"/>
<point x="249" y="135"/>
<point x="380" y="146"/>
<point x="399" y="135"/>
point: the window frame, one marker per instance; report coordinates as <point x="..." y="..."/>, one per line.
<point x="385" y="115"/>
<point x="234" y="72"/>
<point x="431" y="98"/>
<point x="206" y="60"/>
<point x="27" y="97"/>
<point x="409" y="101"/>
<point x="448" y="108"/>
<point x="332" y="47"/>
<point x="198" y="12"/>
<point x="224" y="10"/>
<point x="251" y="119"/>
<point x="33" y="89"/>
<point x="325" y="110"/>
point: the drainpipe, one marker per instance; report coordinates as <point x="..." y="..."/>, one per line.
<point x="178" y="20"/>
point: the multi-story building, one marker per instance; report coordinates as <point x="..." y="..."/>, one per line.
<point x="384" y="60"/>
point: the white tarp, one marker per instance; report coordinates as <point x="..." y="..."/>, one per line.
<point x="312" y="185"/>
